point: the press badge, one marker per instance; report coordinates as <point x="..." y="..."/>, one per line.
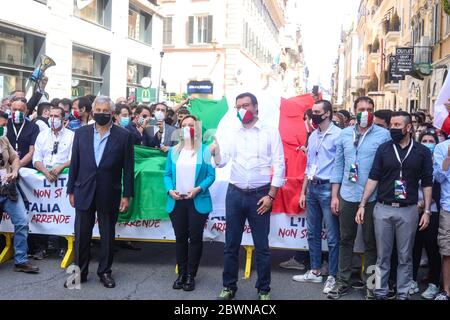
<point x="3" y="174"/>
<point x="353" y="173"/>
<point x="400" y="190"/>
<point x="312" y="172"/>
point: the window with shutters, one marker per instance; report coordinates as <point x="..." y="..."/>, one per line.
<point x="139" y="25"/>
<point x="447" y="26"/>
<point x="200" y="29"/>
<point x="167" y="30"/>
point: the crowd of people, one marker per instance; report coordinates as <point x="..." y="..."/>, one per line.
<point x="383" y="170"/>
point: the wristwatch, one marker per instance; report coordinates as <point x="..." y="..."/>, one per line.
<point x="428" y="212"/>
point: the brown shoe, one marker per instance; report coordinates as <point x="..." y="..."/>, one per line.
<point x="26" y="267"/>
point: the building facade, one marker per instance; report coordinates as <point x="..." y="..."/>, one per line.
<point x="383" y="26"/>
<point x="99" y="46"/>
<point x="213" y="47"/>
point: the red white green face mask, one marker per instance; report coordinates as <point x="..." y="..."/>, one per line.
<point x="246" y="116"/>
<point x="18" y="117"/>
<point x="188" y="133"/>
<point x="364" y="119"/>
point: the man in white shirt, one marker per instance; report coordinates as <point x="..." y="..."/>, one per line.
<point x="257" y="172"/>
<point x="53" y="147"/>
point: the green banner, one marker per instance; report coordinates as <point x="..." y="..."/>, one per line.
<point x="144" y="95"/>
<point x="149" y="202"/>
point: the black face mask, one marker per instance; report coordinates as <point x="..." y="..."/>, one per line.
<point x="102" y="118"/>
<point x="397" y="135"/>
<point x="317" y="118"/>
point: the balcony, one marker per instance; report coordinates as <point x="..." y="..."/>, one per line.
<point x="422" y="61"/>
<point x="391" y="28"/>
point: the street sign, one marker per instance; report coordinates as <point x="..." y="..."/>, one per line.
<point x="202" y="87"/>
<point x="405" y="60"/>
<point x="146" y="95"/>
<point x="394" y="71"/>
<point x="77" y="92"/>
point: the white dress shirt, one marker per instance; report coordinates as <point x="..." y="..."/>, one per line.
<point x="186" y="167"/>
<point x="45" y="142"/>
<point x="257" y="157"/>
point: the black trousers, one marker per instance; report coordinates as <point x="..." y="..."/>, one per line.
<point x="428" y="239"/>
<point x="84" y="223"/>
<point x="188" y="225"/>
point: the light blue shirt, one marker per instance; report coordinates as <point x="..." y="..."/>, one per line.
<point x="443" y="177"/>
<point x="347" y="154"/>
<point x="322" y="151"/>
<point x="100" y="144"/>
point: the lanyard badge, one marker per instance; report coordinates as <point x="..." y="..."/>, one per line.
<point x="400" y="190"/>
<point x="353" y="173"/>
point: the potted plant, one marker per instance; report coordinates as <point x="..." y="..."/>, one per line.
<point x="446" y="6"/>
<point x="376" y="45"/>
<point x="395" y="22"/>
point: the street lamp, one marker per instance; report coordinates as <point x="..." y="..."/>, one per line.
<point x="159" y="81"/>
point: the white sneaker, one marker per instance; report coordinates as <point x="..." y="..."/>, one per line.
<point x="442" y="297"/>
<point x="309" y="276"/>
<point x="431" y="292"/>
<point x="329" y="284"/>
<point x="292" y="264"/>
<point x="414" y="288"/>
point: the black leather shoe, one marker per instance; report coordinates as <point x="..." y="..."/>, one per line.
<point x="107" y="280"/>
<point x="189" y="285"/>
<point x="178" y="284"/>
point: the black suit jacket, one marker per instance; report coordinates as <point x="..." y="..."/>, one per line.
<point x="150" y="139"/>
<point x="102" y="184"/>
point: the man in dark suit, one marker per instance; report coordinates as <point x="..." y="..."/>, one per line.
<point x="102" y="153"/>
<point x="162" y="135"/>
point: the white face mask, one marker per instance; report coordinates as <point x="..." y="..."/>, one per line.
<point x="159" y="115"/>
<point x="55" y="123"/>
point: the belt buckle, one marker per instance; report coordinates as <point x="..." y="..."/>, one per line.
<point x="395" y="205"/>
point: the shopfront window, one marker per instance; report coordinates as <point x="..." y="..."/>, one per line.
<point x="139" y="25"/>
<point x="90" y="72"/>
<point x="95" y="11"/>
<point x="19" y="54"/>
<point x="135" y="73"/>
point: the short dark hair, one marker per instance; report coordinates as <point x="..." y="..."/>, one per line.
<point x="346" y="115"/>
<point x="385" y="115"/>
<point x="183" y="110"/>
<point x="248" y="95"/>
<point x="55" y="102"/>
<point x="121" y="106"/>
<point x="42" y="107"/>
<point x="66" y="102"/>
<point x="406" y="115"/>
<point x="84" y="102"/>
<point x="429" y="133"/>
<point x="63" y="112"/>
<point x="159" y="104"/>
<point x="363" y="99"/>
<point x="142" y="107"/>
<point x="421" y="116"/>
<point x="326" y="106"/>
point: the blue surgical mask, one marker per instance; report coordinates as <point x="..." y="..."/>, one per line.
<point x="430" y="146"/>
<point x="124" y="121"/>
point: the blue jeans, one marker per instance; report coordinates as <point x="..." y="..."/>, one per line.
<point x="239" y="207"/>
<point x="19" y="219"/>
<point x="318" y="208"/>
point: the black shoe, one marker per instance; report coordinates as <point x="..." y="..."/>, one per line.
<point x="26" y="267"/>
<point x="358" y="285"/>
<point x="40" y="255"/>
<point x="107" y="280"/>
<point x="83" y="280"/>
<point x="181" y="280"/>
<point x="189" y="285"/>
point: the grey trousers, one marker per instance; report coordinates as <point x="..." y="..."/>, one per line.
<point x="401" y="222"/>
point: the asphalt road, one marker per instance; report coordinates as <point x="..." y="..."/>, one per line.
<point x="148" y="274"/>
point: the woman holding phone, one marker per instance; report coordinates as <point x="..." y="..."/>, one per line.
<point x="187" y="179"/>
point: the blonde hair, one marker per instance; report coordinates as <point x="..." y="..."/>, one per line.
<point x="197" y="142"/>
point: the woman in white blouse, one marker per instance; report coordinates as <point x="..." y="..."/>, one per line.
<point x="187" y="179"/>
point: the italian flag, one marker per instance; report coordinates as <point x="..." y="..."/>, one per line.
<point x="441" y="115"/>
